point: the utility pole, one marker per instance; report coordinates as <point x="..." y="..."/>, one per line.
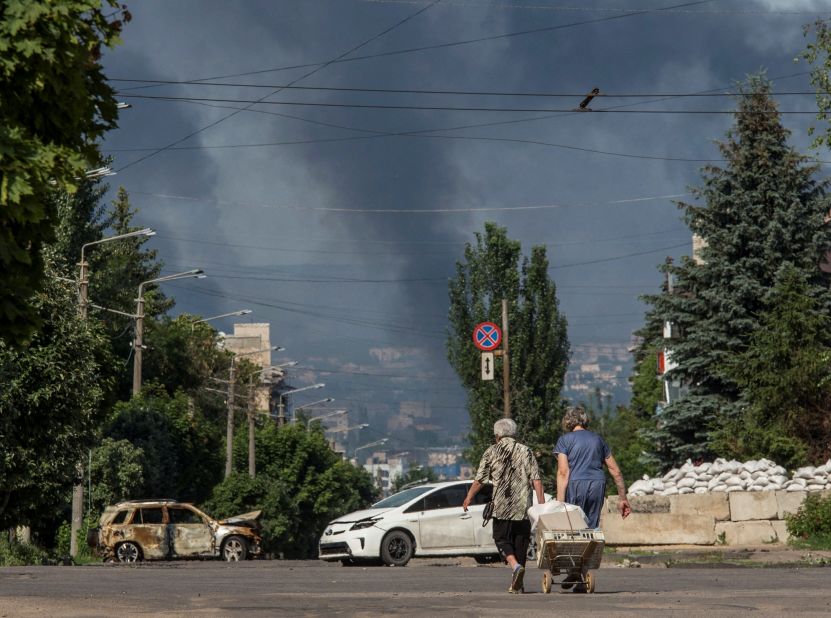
<point x="138" y="344"/>
<point x="229" y="430"/>
<point x="78" y="487"/>
<point x="506" y="362"/>
<point x="252" y="454"/>
<point x="281" y="411"/>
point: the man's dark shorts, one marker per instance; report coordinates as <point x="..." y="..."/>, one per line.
<point x="512" y="537"/>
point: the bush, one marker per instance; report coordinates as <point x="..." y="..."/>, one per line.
<point x="17" y="554"/>
<point x="810" y="526"/>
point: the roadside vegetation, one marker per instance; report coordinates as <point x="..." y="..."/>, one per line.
<point x="810" y="526"/>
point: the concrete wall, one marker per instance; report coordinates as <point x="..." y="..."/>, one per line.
<point x="737" y="518"/>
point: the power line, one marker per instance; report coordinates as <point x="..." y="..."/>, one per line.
<point x="420" y="252"/>
<point x="450" y="44"/>
<point x="432" y="132"/>
<point x="261" y="100"/>
<point x="413" y="210"/>
<point x="479" y="93"/>
<point x="446" y="108"/>
<point x="594" y="9"/>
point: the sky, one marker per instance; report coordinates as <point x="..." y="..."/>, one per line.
<point x="336" y="209"/>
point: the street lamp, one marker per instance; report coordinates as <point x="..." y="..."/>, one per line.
<point x="83" y="282"/>
<point x="223" y="315"/>
<point x="307" y="406"/>
<point x="139" y="334"/>
<point x="352" y="428"/>
<point x="229" y="429"/>
<point x="281" y="415"/>
<point x="371" y="444"/>
<point x="318" y="418"/>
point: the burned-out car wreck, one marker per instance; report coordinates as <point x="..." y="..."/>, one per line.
<point x="165" y="529"/>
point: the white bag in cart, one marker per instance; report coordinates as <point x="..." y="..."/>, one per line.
<point x="574" y="514"/>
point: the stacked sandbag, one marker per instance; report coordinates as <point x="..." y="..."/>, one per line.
<point x="729" y="476"/>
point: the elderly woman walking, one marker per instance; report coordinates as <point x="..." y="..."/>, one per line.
<point x="580" y="457"/>
<point x="513" y="470"/>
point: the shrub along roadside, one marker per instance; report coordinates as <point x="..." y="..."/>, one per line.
<point x="810" y="526"/>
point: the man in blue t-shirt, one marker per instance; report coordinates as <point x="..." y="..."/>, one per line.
<point x="580" y="478"/>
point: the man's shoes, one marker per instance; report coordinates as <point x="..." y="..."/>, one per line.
<point x="516" y="581"/>
<point x="571" y="579"/>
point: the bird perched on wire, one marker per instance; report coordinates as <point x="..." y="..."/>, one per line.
<point x="583" y="107"/>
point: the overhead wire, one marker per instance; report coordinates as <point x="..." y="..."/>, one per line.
<point x="432" y="133"/>
<point x="483" y="4"/>
<point x="467" y="93"/>
<point x="459" y="43"/>
<point x="446" y="108"/>
<point x="262" y="99"/>
<point x="401" y="211"/>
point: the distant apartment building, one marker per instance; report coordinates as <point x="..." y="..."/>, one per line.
<point x="246" y="340"/>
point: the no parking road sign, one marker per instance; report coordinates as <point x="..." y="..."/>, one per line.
<point x="487" y="336"/>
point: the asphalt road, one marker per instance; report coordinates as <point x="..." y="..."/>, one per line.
<point x="425" y="588"/>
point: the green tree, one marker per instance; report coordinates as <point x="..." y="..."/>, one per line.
<point x="184" y="355"/>
<point x="416" y="474"/>
<point x="50" y="409"/>
<point x="762" y="210"/>
<point x="538" y="340"/>
<point x="116" y="473"/>
<point x="301" y="485"/>
<point x="55" y="106"/>
<point x="182" y="451"/>
<point x="818" y="55"/>
<point x="785" y="379"/>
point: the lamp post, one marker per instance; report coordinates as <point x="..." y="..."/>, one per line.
<point x="139" y="334"/>
<point x="229" y="429"/>
<point x="371" y="444"/>
<point x="83" y="281"/>
<point x="83" y="308"/>
<point x="313" y="404"/>
<point x="318" y="418"/>
<point x="281" y="414"/>
<point x="222" y="315"/>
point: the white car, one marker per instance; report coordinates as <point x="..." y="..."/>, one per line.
<point x="427" y="520"/>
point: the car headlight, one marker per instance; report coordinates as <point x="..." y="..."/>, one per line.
<point x="363" y="524"/>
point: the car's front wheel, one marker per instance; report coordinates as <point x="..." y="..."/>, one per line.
<point x="396" y="548"/>
<point x="234" y="549"/>
<point x="128" y="552"/>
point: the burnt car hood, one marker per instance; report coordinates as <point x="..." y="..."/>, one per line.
<point x="246" y="519"/>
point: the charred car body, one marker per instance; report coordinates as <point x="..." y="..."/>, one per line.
<point x="166" y="529"/>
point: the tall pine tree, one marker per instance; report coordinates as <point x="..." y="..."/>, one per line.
<point x="762" y="210"/>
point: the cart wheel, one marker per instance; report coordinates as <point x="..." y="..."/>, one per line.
<point x="589" y="582"/>
<point x="546" y="582"/>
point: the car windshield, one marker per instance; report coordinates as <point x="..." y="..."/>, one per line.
<point x="401" y="498"/>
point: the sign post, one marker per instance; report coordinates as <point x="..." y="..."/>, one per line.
<point x="487" y="336"/>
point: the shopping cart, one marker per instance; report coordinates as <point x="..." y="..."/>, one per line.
<point x="570" y="553"/>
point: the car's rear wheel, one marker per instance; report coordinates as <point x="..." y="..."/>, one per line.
<point x="234" y="549"/>
<point x="128" y="552"/>
<point x="396" y="548"/>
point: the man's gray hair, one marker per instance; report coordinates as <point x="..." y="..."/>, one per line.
<point x="575" y="416"/>
<point x="504" y="428"/>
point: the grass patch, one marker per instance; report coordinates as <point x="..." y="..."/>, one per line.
<point x="814" y="541"/>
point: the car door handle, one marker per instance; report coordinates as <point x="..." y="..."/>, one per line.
<point x="466" y="516"/>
